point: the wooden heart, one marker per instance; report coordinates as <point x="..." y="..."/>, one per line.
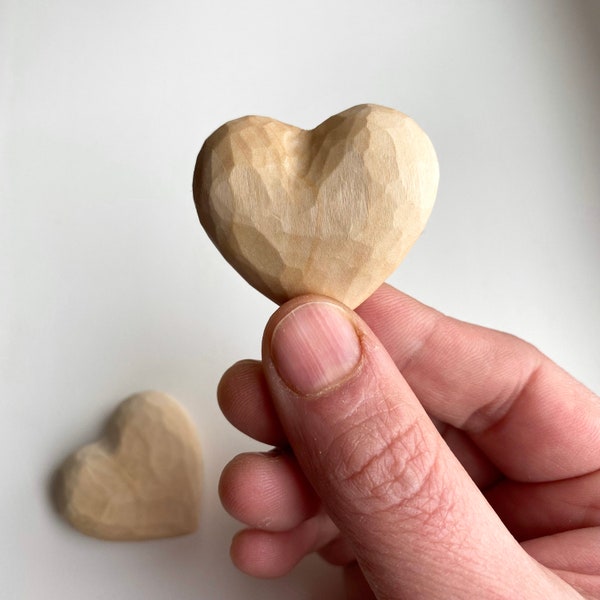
<point x="142" y="479"/>
<point x="331" y="211"/>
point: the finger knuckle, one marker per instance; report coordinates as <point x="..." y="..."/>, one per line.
<point x="393" y="467"/>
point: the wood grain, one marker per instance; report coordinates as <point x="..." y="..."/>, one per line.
<point x="331" y="211"/>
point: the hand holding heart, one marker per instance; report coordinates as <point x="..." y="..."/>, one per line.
<point x="430" y="458"/>
<point x="330" y="211"/>
<point x="433" y="459"/>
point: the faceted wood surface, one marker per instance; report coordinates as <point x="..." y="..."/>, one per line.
<point x="142" y="480"/>
<point x="331" y="211"/>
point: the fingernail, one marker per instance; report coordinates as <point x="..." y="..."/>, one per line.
<point x="314" y="347"/>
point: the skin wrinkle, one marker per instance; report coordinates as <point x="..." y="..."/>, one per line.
<point x="406" y="441"/>
<point x="481" y="416"/>
<point x="428" y="508"/>
<point x="423" y="342"/>
<point x="533" y="396"/>
<point x="403" y="451"/>
<point x="494" y="413"/>
<point x="412" y="361"/>
<point x="590" y="512"/>
<point x="584" y="509"/>
<point x="348" y="438"/>
<point x="434" y="517"/>
<point x="400" y="454"/>
<point x="537" y="384"/>
<point x="393" y="449"/>
<point x="428" y="548"/>
<point x="581" y="583"/>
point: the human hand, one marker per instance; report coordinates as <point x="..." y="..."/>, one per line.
<point x="431" y="458"/>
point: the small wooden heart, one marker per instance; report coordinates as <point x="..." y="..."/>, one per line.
<point x="331" y="211"/>
<point x="140" y="481"/>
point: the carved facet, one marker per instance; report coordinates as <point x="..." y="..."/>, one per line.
<point x="142" y="480"/>
<point x="331" y="211"/>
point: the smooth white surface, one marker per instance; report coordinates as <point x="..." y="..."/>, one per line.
<point x="109" y="285"/>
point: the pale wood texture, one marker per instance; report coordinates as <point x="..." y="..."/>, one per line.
<point x="142" y="480"/>
<point x="331" y="211"/>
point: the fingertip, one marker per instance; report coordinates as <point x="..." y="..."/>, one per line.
<point x="264" y="554"/>
<point x="315" y="346"/>
<point x="267" y="491"/>
<point x="268" y="554"/>
<point x="291" y="306"/>
<point x="245" y="401"/>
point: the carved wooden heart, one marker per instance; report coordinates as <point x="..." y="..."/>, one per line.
<point x="330" y="211"/>
<point x="142" y="479"/>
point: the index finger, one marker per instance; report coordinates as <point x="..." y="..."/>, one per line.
<point x="532" y="419"/>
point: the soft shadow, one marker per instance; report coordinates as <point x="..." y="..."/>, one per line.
<point x="588" y="12"/>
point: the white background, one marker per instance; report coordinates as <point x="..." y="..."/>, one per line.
<point x="108" y="285"/>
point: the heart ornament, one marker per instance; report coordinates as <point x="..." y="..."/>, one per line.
<point x="140" y="481"/>
<point x="330" y="211"/>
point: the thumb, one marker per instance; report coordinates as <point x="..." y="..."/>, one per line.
<point x="418" y="525"/>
